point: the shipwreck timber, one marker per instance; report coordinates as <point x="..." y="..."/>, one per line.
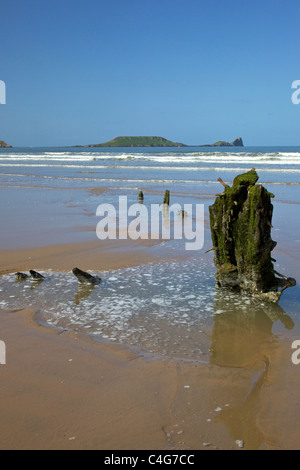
<point x="241" y="222"/>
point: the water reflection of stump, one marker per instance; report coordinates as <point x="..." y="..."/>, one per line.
<point x="35" y="284"/>
<point x="83" y="292"/>
<point x="242" y="327"/>
<point x="242" y="337"/>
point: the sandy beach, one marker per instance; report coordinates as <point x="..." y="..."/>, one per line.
<point x="170" y="363"/>
<point x="63" y="390"/>
<point x="155" y="147"/>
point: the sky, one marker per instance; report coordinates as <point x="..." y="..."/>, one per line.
<point x="193" y="71"/>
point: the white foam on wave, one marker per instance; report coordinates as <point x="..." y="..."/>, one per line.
<point x="64" y="156"/>
<point x="271" y="158"/>
<point x="153" y="168"/>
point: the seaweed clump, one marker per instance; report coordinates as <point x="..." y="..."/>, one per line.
<point x="240" y="222"/>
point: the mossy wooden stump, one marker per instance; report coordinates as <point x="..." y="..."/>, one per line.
<point x="240" y="222"/>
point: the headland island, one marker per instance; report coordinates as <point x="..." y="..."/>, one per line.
<point x="154" y="141"/>
<point x="149" y="141"/>
<point x="4" y="144"/>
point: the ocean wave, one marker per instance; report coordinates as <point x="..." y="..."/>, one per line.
<point x="285" y="158"/>
<point x="131" y="180"/>
<point x="150" y="168"/>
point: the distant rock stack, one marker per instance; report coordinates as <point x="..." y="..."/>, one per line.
<point x="238" y="142"/>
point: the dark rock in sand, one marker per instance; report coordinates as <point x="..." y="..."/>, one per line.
<point x="36" y="276"/>
<point x="85" y="278"/>
<point x="21" y="276"/>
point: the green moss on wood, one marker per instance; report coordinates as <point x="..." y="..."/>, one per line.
<point x="240" y="221"/>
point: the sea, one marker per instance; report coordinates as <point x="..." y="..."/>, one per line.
<point x="169" y="308"/>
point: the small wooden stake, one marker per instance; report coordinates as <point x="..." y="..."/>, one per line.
<point x="167" y="197"/>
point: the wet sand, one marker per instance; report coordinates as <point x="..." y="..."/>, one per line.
<point x="63" y="390"/>
<point x="90" y="255"/>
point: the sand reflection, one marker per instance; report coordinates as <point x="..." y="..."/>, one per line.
<point x="244" y="338"/>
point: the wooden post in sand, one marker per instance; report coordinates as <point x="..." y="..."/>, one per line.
<point x="141" y="197"/>
<point x="167" y="197"/>
<point x="240" y="222"/>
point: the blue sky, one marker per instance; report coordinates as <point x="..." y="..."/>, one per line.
<point x="193" y="71"/>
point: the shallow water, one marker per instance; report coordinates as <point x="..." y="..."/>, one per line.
<point x="168" y="309"/>
<point x="79" y="167"/>
<point x="49" y="192"/>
